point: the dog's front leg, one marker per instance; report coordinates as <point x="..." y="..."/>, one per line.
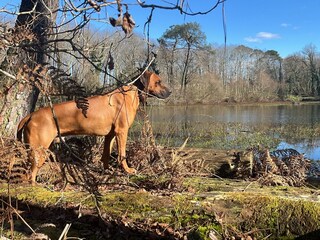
<point x="121" y="138"/>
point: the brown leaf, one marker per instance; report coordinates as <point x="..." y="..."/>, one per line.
<point x="128" y="23"/>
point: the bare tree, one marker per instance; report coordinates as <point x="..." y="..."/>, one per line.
<point x="312" y="63"/>
<point x="53" y="33"/>
<point x="302" y="72"/>
<point x="185" y="37"/>
<point x="295" y="76"/>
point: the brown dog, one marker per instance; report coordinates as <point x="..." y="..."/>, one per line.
<point x="109" y="115"/>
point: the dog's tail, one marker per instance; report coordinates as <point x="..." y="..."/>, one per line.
<point x="21" y="126"/>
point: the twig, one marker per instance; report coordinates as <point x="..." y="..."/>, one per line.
<point x="183" y="145"/>
<point x="266" y="237"/>
<point x="60" y="198"/>
<point x="8" y="74"/>
<point x="65" y="231"/>
<point x="87" y="8"/>
<point x="96" y="203"/>
<point x="19" y="13"/>
<point x="144" y="70"/>
<point x="247" y="187"/>
<point x="177" y="7"/>
<point x="217" y="176"/>
<point x="16" y="212"/>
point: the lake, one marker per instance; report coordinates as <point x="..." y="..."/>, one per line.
<point x="239" y="126"/>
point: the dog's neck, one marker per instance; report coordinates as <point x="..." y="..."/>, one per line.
<point x="141" y="92"/>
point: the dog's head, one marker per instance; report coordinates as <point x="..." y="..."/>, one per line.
<point x="153" y="85"/>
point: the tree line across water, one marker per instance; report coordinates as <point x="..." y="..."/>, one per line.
<point x="204" y="73"/>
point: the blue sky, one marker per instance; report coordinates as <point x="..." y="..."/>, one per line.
<point x="286" y="26"/>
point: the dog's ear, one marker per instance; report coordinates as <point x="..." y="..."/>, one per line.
<point x="145" y="77"/>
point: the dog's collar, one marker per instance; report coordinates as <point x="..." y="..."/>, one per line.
<point x="142" y="96"/>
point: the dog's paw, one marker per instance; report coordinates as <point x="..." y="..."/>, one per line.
<point x="131" y="170"/>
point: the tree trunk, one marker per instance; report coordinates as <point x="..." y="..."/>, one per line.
<point x="185" y="70"/>
<point x="172" y="60"/>
<point x="19" y="99"/>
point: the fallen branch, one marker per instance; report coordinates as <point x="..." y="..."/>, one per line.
<point x="8" y="74"/>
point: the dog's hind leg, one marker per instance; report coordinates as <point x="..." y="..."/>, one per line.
<point x="37" y="157"/>
<point x="39" y="140"/>
<point x="108" y="144"/>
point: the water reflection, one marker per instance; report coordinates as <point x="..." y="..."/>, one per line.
<point x="248" y="114"/>
<point x="251" y="115"/>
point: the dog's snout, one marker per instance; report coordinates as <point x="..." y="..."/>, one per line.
<point x="165" y="93"/>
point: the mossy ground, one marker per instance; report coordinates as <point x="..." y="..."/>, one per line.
<point x="224" y="208"/>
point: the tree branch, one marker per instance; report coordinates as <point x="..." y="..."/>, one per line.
<point x="19" y="13"/>
<point x="179" y="7"/>
<point x="88" y="8"/>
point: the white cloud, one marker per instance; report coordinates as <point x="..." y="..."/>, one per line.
<point x="290" y="26"/>
<point x="252" y="39"/>
<point x="267" y="35"/>
<point x="261" y="36"/>
<point x="285" y="25"/>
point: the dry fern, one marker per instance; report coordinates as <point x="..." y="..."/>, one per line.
<point x="280" y="167"/>
<point x="14" y="166"/>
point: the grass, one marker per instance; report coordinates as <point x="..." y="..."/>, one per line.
<point x="228" y="135"/>
<point x="210" y="206"/>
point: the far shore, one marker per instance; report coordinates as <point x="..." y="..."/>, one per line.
<point x="233" y="103"/>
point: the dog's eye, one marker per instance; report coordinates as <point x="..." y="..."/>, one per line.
<point x="158" y="82"/>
